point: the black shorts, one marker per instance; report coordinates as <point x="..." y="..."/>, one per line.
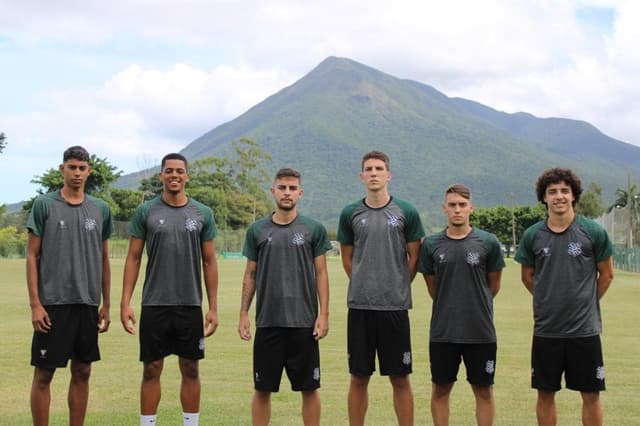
<point x="166" y="330"/>
<point x="580" y="358"/>
<point x="73" y="335"/>
<point x="294" y="349"/>
<point x="479" y="360"/>
<point x="384" y="332"/>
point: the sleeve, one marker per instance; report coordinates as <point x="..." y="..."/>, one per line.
<point x="525" y="255"/>
<point x="107" y="221"/>
<point x="250" y="250"/>
<point x="413" y="230"/>
<point x="321" y="240"/>
<point x="495" y="260"/>
<point x="425" y="261"/>
<point x="38" y="216"/>
<point x="602" y="246"/>
<point x="137" y="226"/>
<point x="345" y="231"/>
<point x="209" y="229"/>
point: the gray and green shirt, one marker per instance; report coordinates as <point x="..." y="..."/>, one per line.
<point x="286" y="288"/>
<point x="173" y="237"/>
<point x="70" y="263"/>
<point x="380" y="270"/>
<point x="565" y="290"/>
<point x="462" y="309"/>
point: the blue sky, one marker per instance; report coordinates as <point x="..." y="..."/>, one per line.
<point x="133" y="80"/>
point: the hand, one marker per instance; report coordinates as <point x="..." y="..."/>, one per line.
<point x="211" y="323"/>
<point x="244" y="327"/>
<point x="40" y="319"/>
<point x="321" y="327"/>
<point x="128" y="319"/>
<point x="104" y="320"/>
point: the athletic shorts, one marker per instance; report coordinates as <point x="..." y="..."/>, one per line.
<point x="292" y="349"/>
<point x="580" y="358"/>
<point x="384" y="332"/>
<point x="166" y="330"/>
<point x="479" y="360"/>
<point x="73" y="335"/>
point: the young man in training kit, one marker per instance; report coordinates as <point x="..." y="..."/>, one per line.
<point x="67" y="273"/>
<point x="380" y="238"/>
<point x="179" y="234"/>
<point x="287" y="272"/>
<point x="462" y="267"/>
<point x="567" y="267"/>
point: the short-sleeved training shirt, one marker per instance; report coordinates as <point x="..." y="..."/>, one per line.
<point x="565" y="294"/>
<point x="286" y="287"/>
<point x="380" y="277"/>
<point x="173" y="238"/>
<point x="70" y="264"/>
<point x="463" y="304"/>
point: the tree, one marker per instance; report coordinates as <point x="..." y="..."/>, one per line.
<point x="98" y="183"/>
<point x="3" y="144"/>
<point x="629" y="199"/>
<point x="126" y="201"/>
<point x="590" y="204"/>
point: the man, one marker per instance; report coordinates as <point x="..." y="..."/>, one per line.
<point x="462" y="267"/>
<point x="287" y="271"/>
<point x="67" y="273"/>
<point x="380" y="242"/>
<point x="179" y="233"/>
<point x="567" y="267"/>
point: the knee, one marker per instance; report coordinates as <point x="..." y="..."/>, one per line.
<point x="42" y="377"/>
<point x="359" y="381"/>
<point x="80" y="371"/>
<point x="400" y="382"/>
<point x="152" y="371"/>
<point x="189" y="369"/>
<point x="483" y="393"/>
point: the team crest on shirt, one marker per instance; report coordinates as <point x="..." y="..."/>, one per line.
<point x="393" y="221"/>
<point x="90" y="224"/>
<point x="574" y="249"/>
<point x="473" y="258"/>
<point x="490" y="366"/>
<point x="191" y="224"/>
<point x="298" y="239"/>
<point x="600" y="373"/>
<point x="406" y="358"/>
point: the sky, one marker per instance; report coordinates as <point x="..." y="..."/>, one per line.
<point x="132" y="80"/>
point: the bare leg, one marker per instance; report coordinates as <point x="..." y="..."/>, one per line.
<point x="150" y="390"/>
<point x="311" y="408"/>
<point x="591" y="409"/>
<point x="485" y="405"/>
<point x="190" y="385"/>
<point x="261" y="408"/>
<point x="402" y="399"/>
<point x="358" y="399"/>
<point x="546" y="408"/>
<point x="41" y="395"/>
<point x="78" y="396"/>
<point x="440" y="403"/>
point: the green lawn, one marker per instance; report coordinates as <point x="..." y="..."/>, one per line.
<point x="226" y="371"/>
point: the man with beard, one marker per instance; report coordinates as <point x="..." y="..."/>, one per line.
<point x="287" y="272"/>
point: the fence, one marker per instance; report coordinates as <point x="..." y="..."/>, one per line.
<point x="627" y="259"/>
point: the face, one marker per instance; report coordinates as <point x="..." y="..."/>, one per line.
<point x="174" y="176"/>
<point x="458" y="209"/>
<point x="375" y="174"/>
<point x="286" y="192"/>
<point x="75" y="173"/>
<point x="559" y="198"/>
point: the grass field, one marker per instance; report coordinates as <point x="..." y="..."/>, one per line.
<point x="226" y="371"/>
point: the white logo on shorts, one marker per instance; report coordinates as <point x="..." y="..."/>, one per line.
<point x="201" y="344"/>
<point x="316" y="373"/>
<point x="600" y="373"/>
<point x="43" y="353"/>
<point x="406" y="358"/>
<point x="490" y="366"/>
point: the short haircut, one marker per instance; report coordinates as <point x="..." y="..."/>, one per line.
<point x="377" y="155"/>
<point x="557" y="175"/>
<point x="173" y="156"/>
<point x="75" y="153"/>
<point x="288" y="172"/>
<point x="459" y="189"/>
